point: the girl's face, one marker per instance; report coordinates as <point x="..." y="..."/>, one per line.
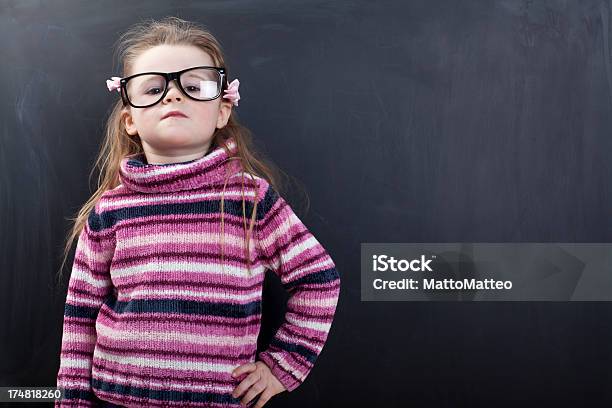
<point x="176" y="138"/>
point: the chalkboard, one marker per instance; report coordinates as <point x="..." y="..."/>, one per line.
<point x="406" y="121"/>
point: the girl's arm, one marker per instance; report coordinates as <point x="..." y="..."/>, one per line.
<point x="309" y="275"/>
<point x="88" y="287"/>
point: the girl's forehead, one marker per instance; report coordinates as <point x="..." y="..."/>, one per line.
<point x="170" y="58"/>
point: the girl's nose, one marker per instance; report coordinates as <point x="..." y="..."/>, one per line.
<point x="173" y="92"/>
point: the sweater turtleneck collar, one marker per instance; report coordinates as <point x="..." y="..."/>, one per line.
<point x="213" y="167"/>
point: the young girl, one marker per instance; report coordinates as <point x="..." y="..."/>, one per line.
<point x="164" y="299"/>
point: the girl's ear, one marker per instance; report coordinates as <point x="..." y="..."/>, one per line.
<point x="128" y="122"/>
<point x="225" y="109"/>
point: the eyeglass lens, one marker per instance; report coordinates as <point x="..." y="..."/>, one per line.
<point x="203" y="84"/>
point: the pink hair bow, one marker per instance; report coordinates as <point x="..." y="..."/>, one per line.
<point x="114" y="83"/>
<point x="231" y="92"/>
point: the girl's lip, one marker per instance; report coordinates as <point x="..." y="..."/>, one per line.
<point x="173" y="114"/>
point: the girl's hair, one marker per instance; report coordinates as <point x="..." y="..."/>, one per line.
<point x="117" y="143"/>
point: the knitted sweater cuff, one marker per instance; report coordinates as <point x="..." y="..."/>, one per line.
<point x="76" y="403"/>
<point x="289" y="381"/>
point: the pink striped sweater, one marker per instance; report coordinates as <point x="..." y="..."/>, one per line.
<point x="160" y="305"/>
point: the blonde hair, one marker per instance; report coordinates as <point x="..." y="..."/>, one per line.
<point x="117" y="143"/>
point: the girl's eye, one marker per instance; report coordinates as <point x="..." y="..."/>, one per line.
<point x="193" y="88"/>
<point x="149" y="91"/>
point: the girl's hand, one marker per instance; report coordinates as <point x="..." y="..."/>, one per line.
<point x="260" y="380"/>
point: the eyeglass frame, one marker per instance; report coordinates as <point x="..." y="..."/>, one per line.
<point x="171" y="76"/>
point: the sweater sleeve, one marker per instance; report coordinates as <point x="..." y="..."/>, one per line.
<point x="309" y="276"/>
<point x="88" y="287"/>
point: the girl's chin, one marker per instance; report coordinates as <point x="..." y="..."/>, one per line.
<point x="175" y="136"/>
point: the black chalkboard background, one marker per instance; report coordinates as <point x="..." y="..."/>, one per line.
<point x="407" y="121"/>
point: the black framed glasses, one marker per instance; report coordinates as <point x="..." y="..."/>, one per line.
<point x="201" y="83"/>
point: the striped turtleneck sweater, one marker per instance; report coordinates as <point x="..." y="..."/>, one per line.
<point x="163" y="303"/>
